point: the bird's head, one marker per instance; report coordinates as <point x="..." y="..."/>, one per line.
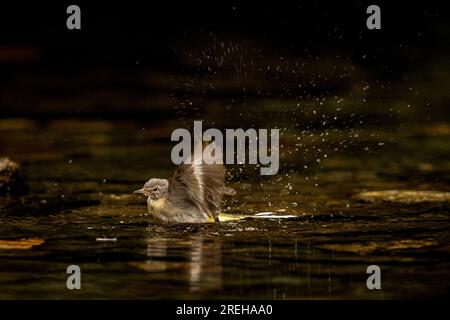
<point x="155" y="189"/>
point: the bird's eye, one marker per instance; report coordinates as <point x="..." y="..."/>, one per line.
<point x="155" y="189"/>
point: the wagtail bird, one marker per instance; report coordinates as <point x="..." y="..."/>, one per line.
<point x="192" y="195"/>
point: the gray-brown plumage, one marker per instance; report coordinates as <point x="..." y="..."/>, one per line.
<point x="192" y="195"/>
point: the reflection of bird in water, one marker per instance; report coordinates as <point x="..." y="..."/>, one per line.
<point x="192" y="259"/>
<point x="192" y="195"/>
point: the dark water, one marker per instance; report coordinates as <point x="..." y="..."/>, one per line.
<point x="81" y="174"/>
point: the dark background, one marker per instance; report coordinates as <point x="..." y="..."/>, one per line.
<point x="144" y="52"/>
<point x="120" y="34"/>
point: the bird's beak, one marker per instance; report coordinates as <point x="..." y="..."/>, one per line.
<point x="140" y="191"/>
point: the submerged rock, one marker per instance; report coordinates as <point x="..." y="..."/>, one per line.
<point x="404" y="196"/>
<point x="11" y="179"/>
<point x="371" y="247"/>
<point x="20" y="244"/>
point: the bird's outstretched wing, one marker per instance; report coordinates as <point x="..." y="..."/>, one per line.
<point x="200" y="183"/>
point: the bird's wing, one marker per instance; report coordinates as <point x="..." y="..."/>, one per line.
<point x="200" y="183"/>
